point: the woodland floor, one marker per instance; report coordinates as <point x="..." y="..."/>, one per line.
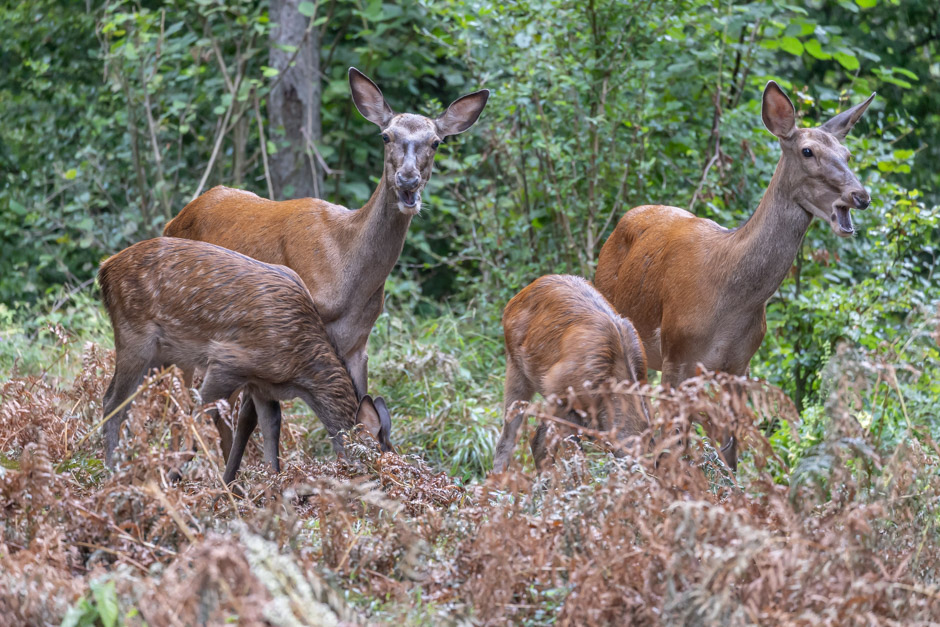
<point x="663" y="536"/>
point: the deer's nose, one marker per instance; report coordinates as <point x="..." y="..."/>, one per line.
<point x="862" y="199"/>
<point x="411" y="182"/>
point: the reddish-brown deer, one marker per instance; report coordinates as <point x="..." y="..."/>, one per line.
<point x="697" y="291"/>
<point x="248" y="325"/>
<point x="343" y="256"/>
<point x="561" y="334"/>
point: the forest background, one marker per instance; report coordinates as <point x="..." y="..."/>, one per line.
<point x="115" y="114"/>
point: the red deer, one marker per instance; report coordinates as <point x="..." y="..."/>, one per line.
<point x="561" y="333"/>
<point x="247" y="324"/>
<point x="342" y="256"/>
<point x="697" y="291"/>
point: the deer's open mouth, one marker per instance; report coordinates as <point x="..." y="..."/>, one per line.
<point x="842" y="217"/>
<point x="409" y="198"/>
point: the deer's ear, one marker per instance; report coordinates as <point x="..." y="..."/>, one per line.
<point x="385" y="419"/>
<point x="462" y="113"/>
<point x="369" y="99"/>
<point x="368" y="416"/>
<point x="777" y="111"/>
<point x="841" y="124"/>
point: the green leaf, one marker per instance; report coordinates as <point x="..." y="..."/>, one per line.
<point x="106" y="602"/>
<point x="307" y="9"/>
<point x="866" y="4"/>
<point x="815" y="49"/>
<point x="71" y="174"/>
<point x="847" y="61"/>
<point x="791" y="45"/>
<point x="17" y="208"/>
<point x="269" y="72"/>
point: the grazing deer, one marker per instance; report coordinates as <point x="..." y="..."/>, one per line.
<point x="697" y="291"/>
<point x="560" y="334"/>
<point x="342" y="256"/>
<point x="247" y="324"/>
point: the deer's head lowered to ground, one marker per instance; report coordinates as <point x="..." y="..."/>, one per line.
<point x="411" y="140"/>
<point x="815" y="162"/>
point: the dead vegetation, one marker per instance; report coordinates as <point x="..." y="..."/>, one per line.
<point x="663" y="536"/>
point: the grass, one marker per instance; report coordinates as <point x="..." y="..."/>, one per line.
<point x="843" y="503"/>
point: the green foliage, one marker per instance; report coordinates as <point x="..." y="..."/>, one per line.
<point x="47" y="337"/>
<point x="111" y="120"/>
<point x="442" y="377"/>
<point x="100" y="609"/>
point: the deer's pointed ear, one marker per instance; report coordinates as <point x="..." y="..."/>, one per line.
<point x="462" y="113"/>
<point x="841" y="124"/>
<point x="368" y="416"/>
<point x="777" y="111"/>
<point x="385" y="419"/>
<point x="369" y="100"/>
<point x="373" y="415"/>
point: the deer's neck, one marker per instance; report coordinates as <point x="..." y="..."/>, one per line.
<point x="379" y="235"/>
<point x="761" y="252"/>
<point x="329" y="393"/>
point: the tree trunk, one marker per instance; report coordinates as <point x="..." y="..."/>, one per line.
<point x="294" y="103"/>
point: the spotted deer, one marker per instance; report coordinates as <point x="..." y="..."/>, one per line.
<point x="247" y="325"/>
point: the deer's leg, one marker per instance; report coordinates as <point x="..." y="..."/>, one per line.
<point x="517" y="388"/>
<point x="247" y="421"/>
<point x="129" y="370"/>
<point x="538" y="445"/>
<point x="215" y="386"/>
<point x="188" y="374"/>
<point x="269" y="414"/>
<point x="729" y="443"/>
<point x="675" y="372"/>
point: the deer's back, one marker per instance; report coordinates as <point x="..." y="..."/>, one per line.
<point x="653" y="262"/>
<point x="561" y="331"/>
<point x="297" y="233"/>
<point x="200" y="300"/>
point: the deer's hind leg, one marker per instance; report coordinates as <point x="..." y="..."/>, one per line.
<point x="216" y="385"/>
<point x="517" y="388"/>
<point x="129" y="370"/>
<point x="247" y="421"/>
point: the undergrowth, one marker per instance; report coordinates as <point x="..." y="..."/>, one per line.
<point x="843" y="530"/>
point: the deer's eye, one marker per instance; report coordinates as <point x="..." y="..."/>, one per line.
<point x="807" y="152"/>
<point x="435" y="144"/>
<point x="385" y="138"/>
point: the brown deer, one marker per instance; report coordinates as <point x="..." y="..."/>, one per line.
<point x="697" y="291"/>
<point x="247" y="324"/>
<point x="561" y="334"/>
<point x="342" y="256"/>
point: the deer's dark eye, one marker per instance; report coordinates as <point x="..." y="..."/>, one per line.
<point x="807" y="152"/>
<point x="385" y="138"/>
<point x="435" y="144"/>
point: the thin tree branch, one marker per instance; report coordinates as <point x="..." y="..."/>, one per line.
<point x="264" y="146"/>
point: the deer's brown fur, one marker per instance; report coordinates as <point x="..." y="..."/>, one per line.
<point x="697" y="291"/>
<point x="249" y="325"/>
<point x="561" y="334"/>
<point x="343" y="256"/>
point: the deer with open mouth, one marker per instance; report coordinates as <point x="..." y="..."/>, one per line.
<point x="695" y="291"/>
